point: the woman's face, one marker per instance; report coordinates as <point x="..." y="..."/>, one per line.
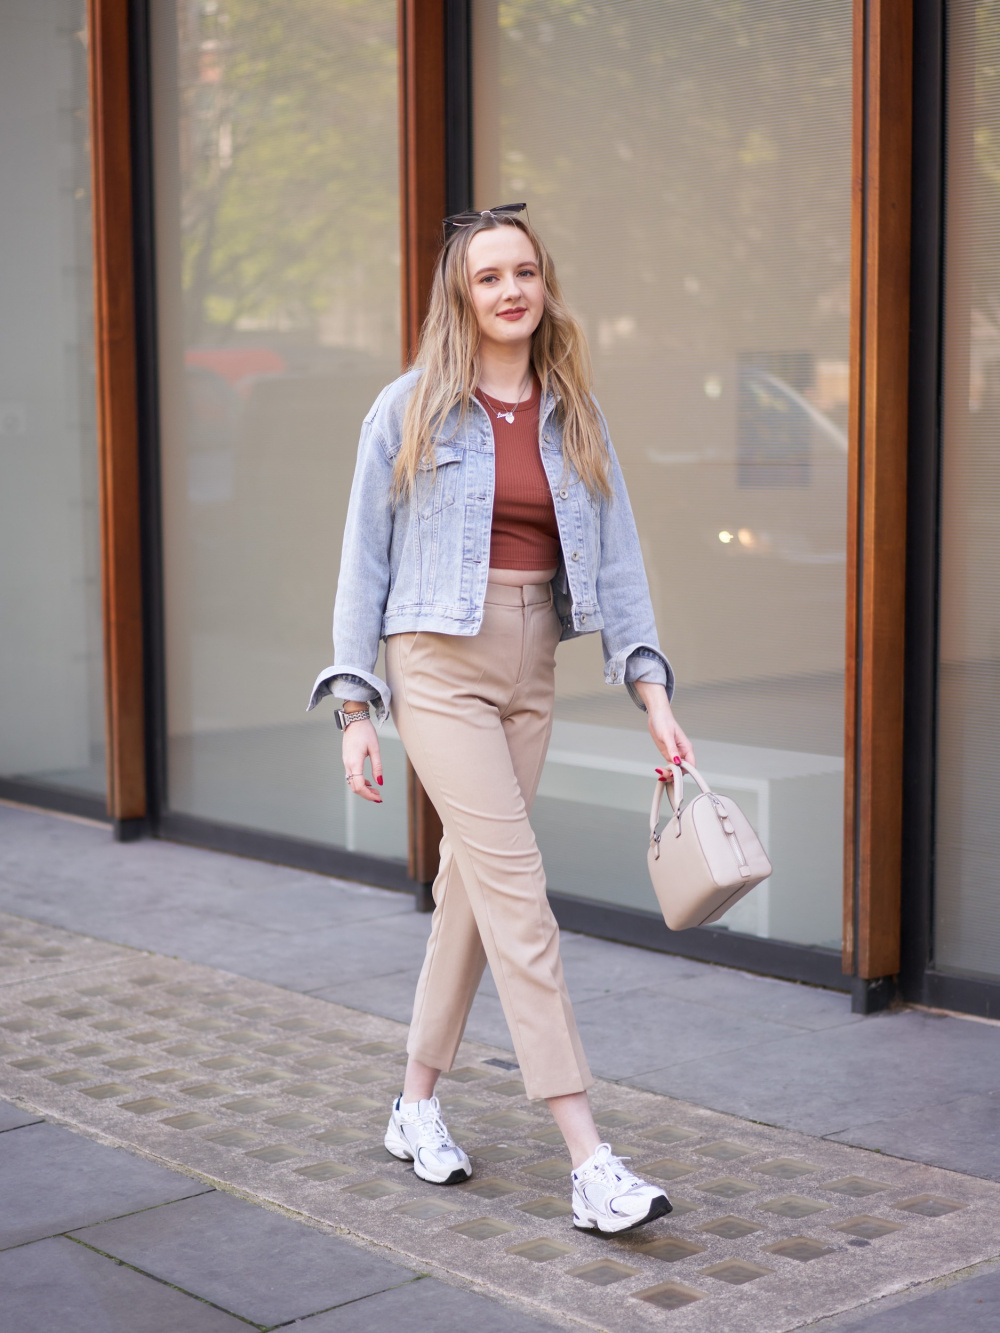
<point x="506" y="285"/>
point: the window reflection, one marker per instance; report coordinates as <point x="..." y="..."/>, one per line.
<point x="689" y="164"/>
<point x="277" y="251"/>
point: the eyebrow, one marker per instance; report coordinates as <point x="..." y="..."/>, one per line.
<point x="494" y="268"/>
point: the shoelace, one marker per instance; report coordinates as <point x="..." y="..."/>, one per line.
<point x="434" y="1127"/>
<point x="612" y="1170"/>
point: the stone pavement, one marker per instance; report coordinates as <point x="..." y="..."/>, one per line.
<point x="281" y="1097"/>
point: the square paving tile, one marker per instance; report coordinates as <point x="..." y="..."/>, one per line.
<point x="793" y="1205"/>
<point x="324" y="1171"/>
<point x="726" y="1188"/>
<point x="513" y="1089"/>
<point x="855" y="1187"/>
<point x="232" y="1138"/>
<point x="722" y="1151"/>
<point x="540" y="1251"/>
<point x="803" y="1248"/>
<point x="603" y="1272"/>
<point x="206" y="1091"/>
<point x="265" y="1076"/>
<point x="426" y="1210"/>
<point x="126" y="1063"/>
<point x="293" y="1120"/>
<point x="250" y="1105"/>
<point x="553" y="1168"/>
<point x="669" y="1295"/>
<point x="546" y="1207"/>
<point x="332" y="1035"/>
<point x="929" y="1205"/>
<point x="89" y="1050"/>
<point x="735" y="1271"/>
<point x="668" y="1168"/>
<point x="54" y="1180"/>
<point x="355" y="1105"/>
<point x="146" y="1106"/>
<point x="166" y="1076"/>
<point x="669" y="1134"/>
<point x="339" y="1138"/>
<point x="277" y="1152"/>
<point x="482" y="1228"/>
<point x="105" y="1090"/>
<point x="324" y="1060"/>
<point x="264" y="1267"/>
<point x="866" y="1227"/>
<point x="375" y="1189"/>
<point x="466" y="1075"/>
<point x="308" y="1090"/>
<point x="500" y="1152"/>
<point x="64" y="1076"/>
<point x="34" y="1062"/>
<point x="221" y="1062"/>
<point x="189" y="1120"/>
<point x="612" y="1119"/>
<point x="671" y="1249"/>
<point x="492" y="1188"/>
<point x="787" y="1168"/>
<point x="57" y="1038"/>
<point x="729" y="1228"/>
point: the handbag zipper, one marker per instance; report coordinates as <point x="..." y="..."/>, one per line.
<point x="730" y="832"/>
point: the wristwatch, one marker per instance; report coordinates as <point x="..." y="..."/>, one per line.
<point x="344" y="719"/>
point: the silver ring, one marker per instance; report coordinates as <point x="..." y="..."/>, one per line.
<point x="349" y="776"/>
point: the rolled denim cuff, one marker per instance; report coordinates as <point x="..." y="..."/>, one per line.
<point x="639" y="661"/>
<point x="354" y="684"/>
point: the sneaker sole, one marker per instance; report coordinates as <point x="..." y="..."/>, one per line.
<point x="458" y="1177"/>
<point x="658" y="1208"/>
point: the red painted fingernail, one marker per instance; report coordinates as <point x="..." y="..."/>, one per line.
<point x="379" y="779"/>
<point x="659" y="770"/>
<point x="677" y="759"/>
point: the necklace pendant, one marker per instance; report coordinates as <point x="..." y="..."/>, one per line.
<point x="507" y="416"/>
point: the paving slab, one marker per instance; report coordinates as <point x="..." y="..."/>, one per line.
<point x="962" y="1135"/>
<point x="58" y="1285"/>
<point x="426" y="1306"/>
<point x="283" y="1097"/>
<point x="51" y="1180"/>
<point x="972" y="1305"/>
<point x="12" y="1117"/>
<point x="251" y="1262"/>
<point x="830" y="1081"/>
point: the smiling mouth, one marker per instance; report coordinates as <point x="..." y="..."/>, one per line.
<point x="512" y="314"/>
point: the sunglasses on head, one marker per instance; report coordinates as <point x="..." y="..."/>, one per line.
<point x="459" y="220"/>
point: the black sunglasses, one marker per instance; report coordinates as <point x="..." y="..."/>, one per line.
<point x="459" y="220"/>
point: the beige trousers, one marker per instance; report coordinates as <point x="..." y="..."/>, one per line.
<point x="475" y="716"/>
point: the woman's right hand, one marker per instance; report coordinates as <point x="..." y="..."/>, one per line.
<point x="361" y="743"/>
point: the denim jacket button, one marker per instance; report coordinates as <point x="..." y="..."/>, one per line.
<point x="576" y="555"/>
<point x="583" y="620"/>
<point x="563" y="494"/>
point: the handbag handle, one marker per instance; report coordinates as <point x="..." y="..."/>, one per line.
<point x="675" y="792"/>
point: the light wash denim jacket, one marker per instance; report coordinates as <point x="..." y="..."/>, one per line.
<point x="423" y="563"/>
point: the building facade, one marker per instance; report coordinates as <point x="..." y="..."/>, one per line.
<point x="779" y="223"/>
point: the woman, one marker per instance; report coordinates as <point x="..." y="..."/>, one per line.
<point x="488" y="520"/>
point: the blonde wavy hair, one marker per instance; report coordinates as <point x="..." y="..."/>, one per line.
<point x="449" y="356"/>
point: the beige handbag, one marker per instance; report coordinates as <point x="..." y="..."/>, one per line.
<point x="706" y="858"/>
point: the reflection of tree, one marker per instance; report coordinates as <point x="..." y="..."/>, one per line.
<point x="288" y="161"/>
<point x="986" y="138"/>
<point x="702" y="146"/>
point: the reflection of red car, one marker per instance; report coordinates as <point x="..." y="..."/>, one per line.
<point x="238" y="366"/>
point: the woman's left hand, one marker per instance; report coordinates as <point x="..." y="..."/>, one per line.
<point x="667" y="735"/>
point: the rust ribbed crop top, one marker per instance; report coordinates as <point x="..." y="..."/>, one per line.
<point x="524" y="533"/>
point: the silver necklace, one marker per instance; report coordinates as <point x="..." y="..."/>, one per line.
<point x="507" y="413"/>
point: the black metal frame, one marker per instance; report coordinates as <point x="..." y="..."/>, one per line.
<point x="920" y="982"/>
<point x="458" y="104"/>
<point x="66" y="800"/>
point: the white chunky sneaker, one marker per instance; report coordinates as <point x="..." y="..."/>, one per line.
<point x="607" y="1197"/>
<point x="418" y="1134"/>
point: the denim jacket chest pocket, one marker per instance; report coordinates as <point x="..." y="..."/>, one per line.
<point x="438" y="482"/>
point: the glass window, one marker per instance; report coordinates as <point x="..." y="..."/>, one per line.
<point x="278" y="274"/>
<point x="688" y="163"/>
<point x="51" y="657"/>
<point x="967" y="905"/>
